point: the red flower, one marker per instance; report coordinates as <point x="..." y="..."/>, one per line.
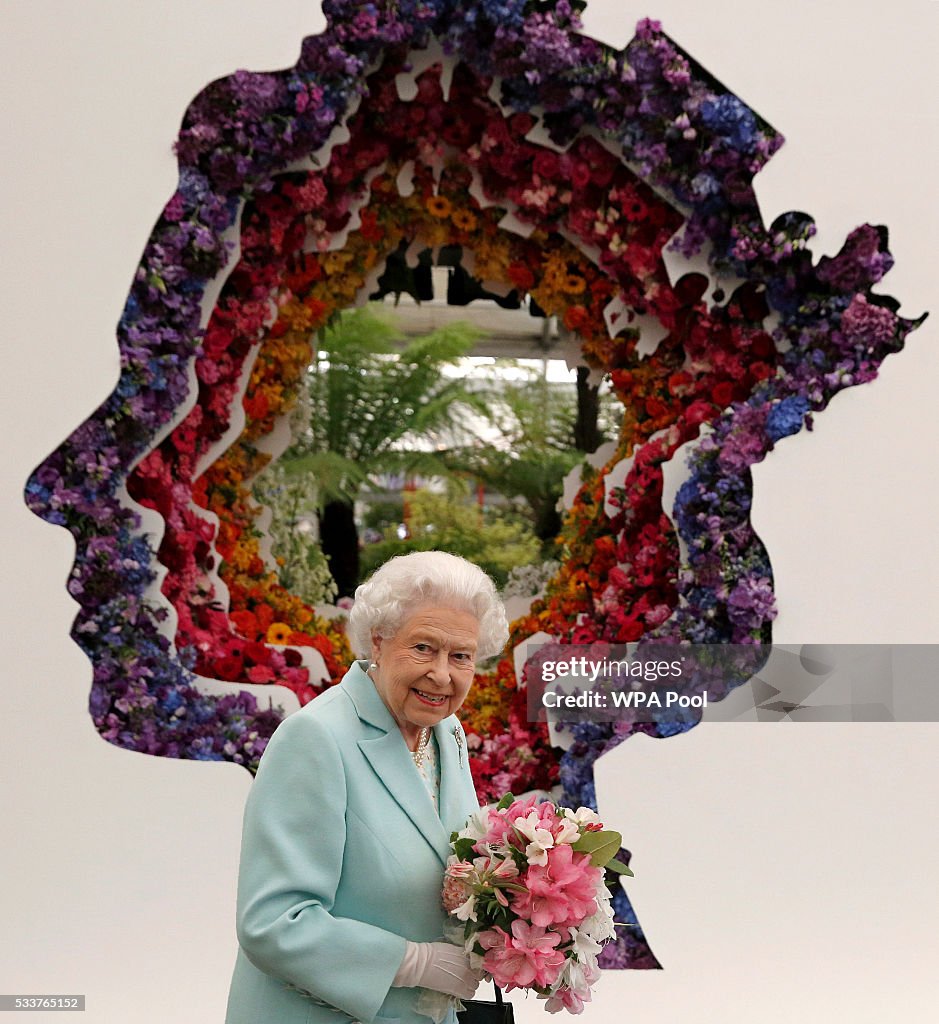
<point x="257" y="653"/>
<point x="371" y="230"/>
<point x="246" y="623"/>
<point x="580" y="174"/>
<point x="655" y="407"/>
<point x="521" y="276"/>
<point x="762" y="345"/>
<point x="265" y="616"/>
<point x="317" y="309"/>
<point x="697" y="412"/>
<point x="722" y="393"/>
<point x="575" y="317"/>
<point x="228" y="669"/>
<point x="521" y="124"/>
<point x="546" y="165"/>
<point x="256" y="405"/>
<point x="760" y="370"/>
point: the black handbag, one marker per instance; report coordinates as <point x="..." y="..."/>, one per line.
<point x="481" y="1011"/>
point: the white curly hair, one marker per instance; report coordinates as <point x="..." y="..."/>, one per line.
<point x="405" y="582"/>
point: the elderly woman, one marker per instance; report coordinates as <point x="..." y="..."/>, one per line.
<point x="347" y="825"/>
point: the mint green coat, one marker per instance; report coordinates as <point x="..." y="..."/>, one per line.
<point x="342" y="859"/>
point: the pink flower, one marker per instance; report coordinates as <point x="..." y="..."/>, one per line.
<point x="565" y="999"/>
<point x="560" y="893"/>
<point x="500" y="822"/>
<point x="499" y="828"/>
<point x="525" y="958"/>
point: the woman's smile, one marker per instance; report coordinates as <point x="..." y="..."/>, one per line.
<point x="434" y="699"/>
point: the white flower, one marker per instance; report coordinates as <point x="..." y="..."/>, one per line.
<point x="583" y="816"/>
<point x="466" y="911"/>
<point x="599" y="925"/>
<point x="584" y="944"/>
<point x="573" y="978"/>
<point x="579" y="976"/>
<point x="567" y="833"/>
<point x="539" y="839"/>
<point x="537" y="850"/>
<point x="477" y="826"/>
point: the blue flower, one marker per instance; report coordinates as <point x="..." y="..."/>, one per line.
<point x="786" y="417"/>
<point x="172" y="701"/>
<point x="732" y="120"/>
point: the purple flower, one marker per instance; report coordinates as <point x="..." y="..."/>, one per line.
<point x="864" y="322"/>
<point x="862" y="261"/>
<point x="752" y="602"/>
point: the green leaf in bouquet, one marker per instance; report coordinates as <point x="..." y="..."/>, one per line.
<point x="502" y="917"/>
<point x="463" y="848"/>
<point x="505" y="802"/>
<point x="512" y="886"/>
<point x="602" y="846"/>
<point x="618" y="867"/>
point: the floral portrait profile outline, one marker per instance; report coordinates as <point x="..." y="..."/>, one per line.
<point x="682" y="134"/>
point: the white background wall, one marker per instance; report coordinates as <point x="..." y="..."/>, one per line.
<point x="782" y="873"/>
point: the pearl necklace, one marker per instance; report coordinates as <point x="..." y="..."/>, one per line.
<point x="418" y="753"/>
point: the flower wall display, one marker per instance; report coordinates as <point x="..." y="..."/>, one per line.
<point x="563" y="168"/>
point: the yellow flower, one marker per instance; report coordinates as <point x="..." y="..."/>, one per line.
<point x="334" y="262"/>
<point x="278" y="633"/>
<point x="464" y="220"/>
<point x="439" y="206"/>
<point x="574" y="284"/>
<point x="240" y="558"/>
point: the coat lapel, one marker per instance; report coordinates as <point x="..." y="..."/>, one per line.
<point x="391" y="761"/>
<point x="455" y="800"/>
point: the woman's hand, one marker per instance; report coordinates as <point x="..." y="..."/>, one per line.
<point x="439" y="966"/>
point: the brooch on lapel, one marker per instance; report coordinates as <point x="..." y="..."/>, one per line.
<point x="458" y="739"/>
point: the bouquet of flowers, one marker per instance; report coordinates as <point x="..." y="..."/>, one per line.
<point x="527" y="880"/>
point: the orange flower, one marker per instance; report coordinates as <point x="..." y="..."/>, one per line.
<point x="574" y="284"/>
<point x="278" y="633"/>
<point x="439" y="206"/>
<point x="464" y="220"/>
<point x="316" y="309"/>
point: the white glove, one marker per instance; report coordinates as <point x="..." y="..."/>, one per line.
<point x="439" y="966"/>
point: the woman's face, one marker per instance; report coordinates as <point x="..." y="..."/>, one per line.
<point x="426" y="669"/>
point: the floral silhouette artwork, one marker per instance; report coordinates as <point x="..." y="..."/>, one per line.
<point x="565" y="170"/>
